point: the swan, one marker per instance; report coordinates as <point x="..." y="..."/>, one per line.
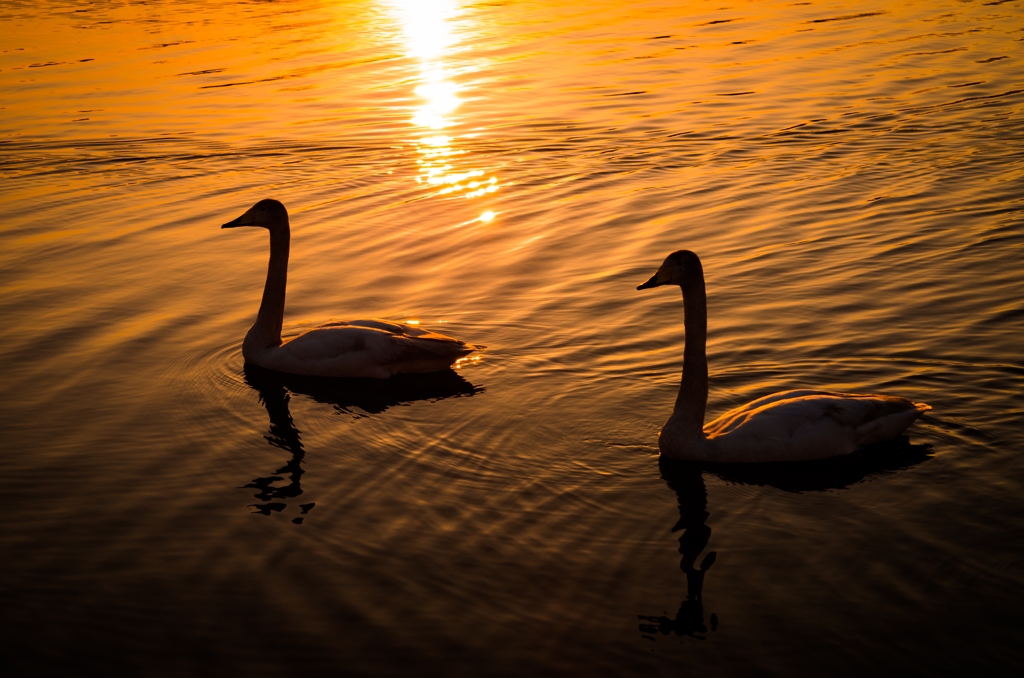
<point x="350" y="348"/>
<point x="787" y="426"/>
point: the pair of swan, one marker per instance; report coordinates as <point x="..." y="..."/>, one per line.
<point x="786" y="426"/>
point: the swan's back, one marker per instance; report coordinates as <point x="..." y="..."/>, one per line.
<point x="806" y="424"/>
<point x="363" y="348"/>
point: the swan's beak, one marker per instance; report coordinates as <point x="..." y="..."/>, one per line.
<point x="244" y="220"/>
<point x="660" y="278"/>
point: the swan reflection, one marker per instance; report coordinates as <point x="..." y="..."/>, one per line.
<point x="686" y="479"/>
<point x="357" y="397"/>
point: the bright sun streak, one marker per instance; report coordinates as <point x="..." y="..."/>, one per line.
<point x="426" y="25"/>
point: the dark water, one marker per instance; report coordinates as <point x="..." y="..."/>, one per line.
<point x="850" y="173"/>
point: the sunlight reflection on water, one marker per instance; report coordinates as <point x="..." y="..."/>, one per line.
<point x="429" y="37"/>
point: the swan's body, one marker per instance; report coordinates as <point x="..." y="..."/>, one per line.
<point x="786" y="426"/>
<point x="352" y="348"/>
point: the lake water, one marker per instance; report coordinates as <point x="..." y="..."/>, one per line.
<point x="851" y="173"/>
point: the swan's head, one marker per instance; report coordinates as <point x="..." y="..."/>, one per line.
<point x="266" y="213"/>
<point x="678" y="268"/>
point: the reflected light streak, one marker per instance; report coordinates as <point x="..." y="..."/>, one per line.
<point x="428" y="35"/>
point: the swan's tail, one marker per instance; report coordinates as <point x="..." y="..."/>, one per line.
<point x="892" y="423"/>
<point x="430" y="354"/>
<point x="442" y="345"/>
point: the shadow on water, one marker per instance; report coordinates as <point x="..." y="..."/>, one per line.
<point x="834" y="473"/>
<point x="686" y="479"/>
<point x="358" y="397"/>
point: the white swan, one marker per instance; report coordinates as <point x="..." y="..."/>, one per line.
<point x="786" y="426"/>
<point x="350" y="348"/>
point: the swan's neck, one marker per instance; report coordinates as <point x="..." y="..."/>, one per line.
<point x="693" y="391"/>
<point x="266" y="331"/>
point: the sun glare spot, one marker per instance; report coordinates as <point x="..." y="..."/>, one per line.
<point x="462" y="362"/>
<point x="487" y="216"/>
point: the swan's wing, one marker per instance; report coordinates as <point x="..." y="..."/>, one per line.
<point x="400" y="329"/>
<point x="811" y="425"/>
<point x="364" y="350"/>
<point x="735" y="417"/>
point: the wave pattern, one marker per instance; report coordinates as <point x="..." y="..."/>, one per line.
<point x="850" y="174"/>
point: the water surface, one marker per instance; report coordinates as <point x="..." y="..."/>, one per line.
<point x="507" y="172"/>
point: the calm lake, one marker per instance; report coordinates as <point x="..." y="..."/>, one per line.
<point x="851" y="174"/>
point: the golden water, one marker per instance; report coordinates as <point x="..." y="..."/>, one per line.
<point x="506" y="172"/>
